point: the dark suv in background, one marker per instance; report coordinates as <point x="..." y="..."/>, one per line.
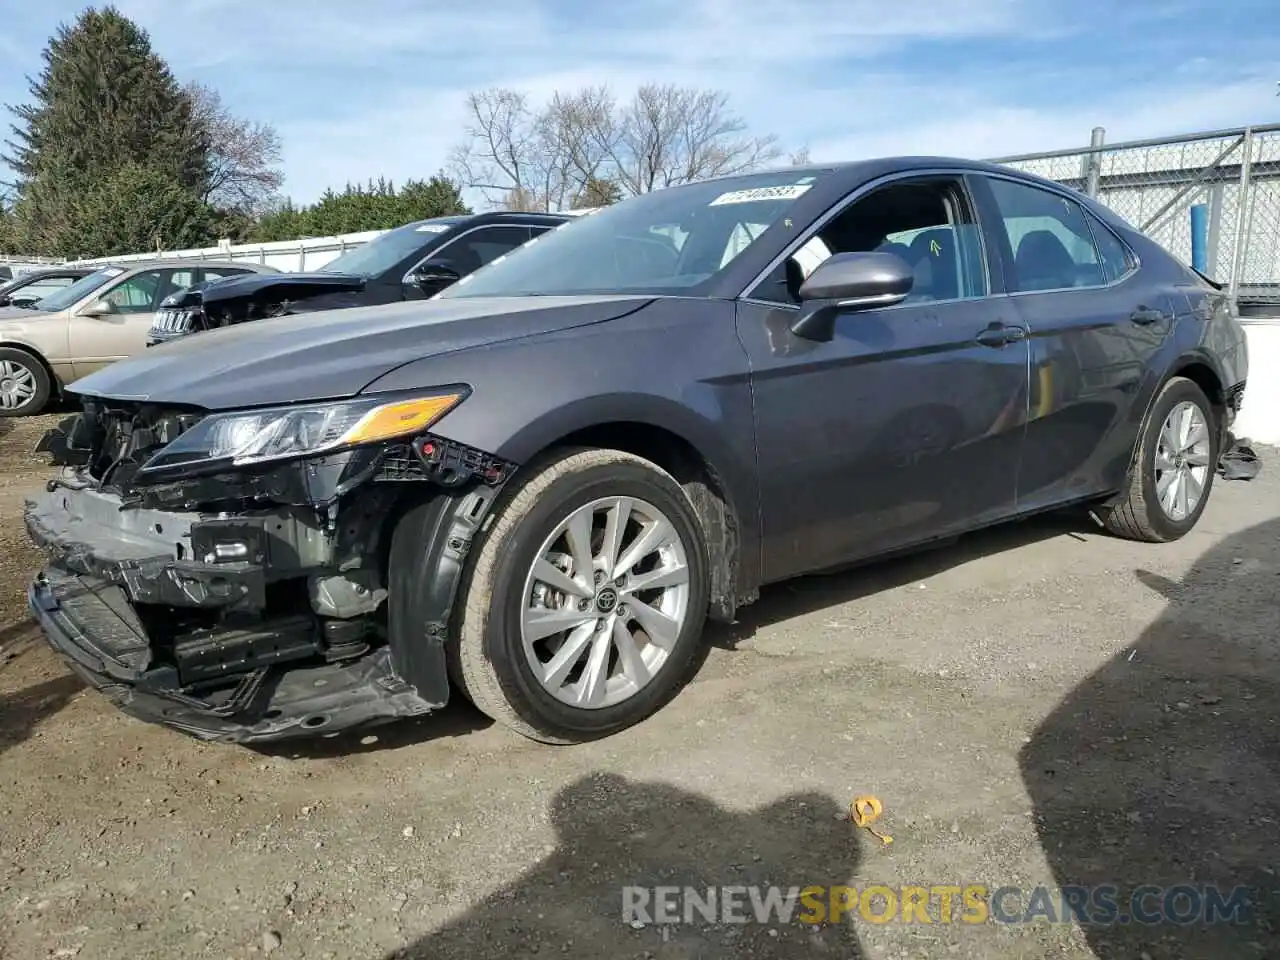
<point x="28" y="289"/>
<point x="411" y="262"/>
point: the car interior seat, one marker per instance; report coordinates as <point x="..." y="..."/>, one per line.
<point x="898" y="249"/>
<point x="933" y="257"/>
<point x="464" y="258"/>
<point x="1043" y="263"/>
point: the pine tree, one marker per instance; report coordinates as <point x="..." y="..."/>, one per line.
<point x="105" y="110"/>
<point x="105" y="100"/>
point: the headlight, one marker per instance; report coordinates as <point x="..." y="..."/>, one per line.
<point x="281" y="433"/>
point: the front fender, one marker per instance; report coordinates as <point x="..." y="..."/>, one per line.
<point x="674" y="364"/>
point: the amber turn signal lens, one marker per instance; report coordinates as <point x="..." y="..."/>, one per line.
<point x="400" y="419"/>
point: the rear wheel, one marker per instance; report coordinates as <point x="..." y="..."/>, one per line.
<point x="585" y="603"/>
<point x="1176" y="460"/>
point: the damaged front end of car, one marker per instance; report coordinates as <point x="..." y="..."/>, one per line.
<point x="231" y="574"/>
<point x="229" y="301"/>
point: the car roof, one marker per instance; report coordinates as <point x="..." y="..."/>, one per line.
<point x="46" y="271"/>
<point x="487" y="216"/>
<point x="875" y="166"/>
<point x="152" y="262"/>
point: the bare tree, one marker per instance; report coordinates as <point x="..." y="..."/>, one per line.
<point x="800" y="158"/>
<point x="244" y="157"/>
<point x="504" y="155"/>
<point x="549" y="157"/>
<point x="669" y="135"/>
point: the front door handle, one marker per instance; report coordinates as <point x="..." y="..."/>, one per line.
<point x="999" y="335"/>
<point x="1147" y="315"/>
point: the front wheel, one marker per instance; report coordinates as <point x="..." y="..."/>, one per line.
<point x="1177" y="457"/>
<point x="24" y="383"/>
<point x="586" y="599"/>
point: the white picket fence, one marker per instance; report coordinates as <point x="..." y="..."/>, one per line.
<point x="293" y="256"/>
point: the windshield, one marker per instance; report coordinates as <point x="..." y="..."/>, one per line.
<point x="667" y="241"/>
<point x="382" y="253"/>
<point x="78" y="290"/>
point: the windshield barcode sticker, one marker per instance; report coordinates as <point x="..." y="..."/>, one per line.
<point x="432" y="228"/>
<point x="787" y="192"/>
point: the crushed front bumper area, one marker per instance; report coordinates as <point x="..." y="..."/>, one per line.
<point x="83" y="621"/>
<point x="236" y="629"/>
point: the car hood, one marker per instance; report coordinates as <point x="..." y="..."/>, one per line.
<point x="10" y="314"/>
<point x="334" y="354"/>
<point x="268" y="285"/>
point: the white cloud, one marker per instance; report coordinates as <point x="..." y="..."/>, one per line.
<point x="376" y="88"/>
<point x="983" y="127"/>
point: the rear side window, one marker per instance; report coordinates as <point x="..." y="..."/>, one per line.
<point x="46" y="285"/>
<point x="1115" y="258"/>
<point x="221" y="272"/>
<point x="1049" y="236"/>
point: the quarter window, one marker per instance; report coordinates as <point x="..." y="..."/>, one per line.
<point x="1115" y="258"/>
<point x="1049" y="237"/>
<point x="925" y="222"/>
<point x="222" y="273"/>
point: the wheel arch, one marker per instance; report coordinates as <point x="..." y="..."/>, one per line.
<point x="1201" y="369"/>
<point x="55" y="382"/>
<point x="708" y="476"/>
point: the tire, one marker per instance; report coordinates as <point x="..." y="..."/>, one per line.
<point x="487" y="651"/>
<point x="22" y="369"/>
<point x="1139" y="514"/>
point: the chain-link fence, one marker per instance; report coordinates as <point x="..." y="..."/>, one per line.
<point x="1231" y="176"/>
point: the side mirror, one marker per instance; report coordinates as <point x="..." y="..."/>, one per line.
<point x="99" y="308"/>
<point x="433" y="276"/>
<point x="846" y="282"/>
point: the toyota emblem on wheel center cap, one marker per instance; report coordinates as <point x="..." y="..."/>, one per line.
<point x="607" y="600"/>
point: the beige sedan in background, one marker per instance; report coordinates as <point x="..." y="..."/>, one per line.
<point x="99" y="319"/>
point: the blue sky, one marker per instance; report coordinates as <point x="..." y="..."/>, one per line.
<point x="376" y="87"/>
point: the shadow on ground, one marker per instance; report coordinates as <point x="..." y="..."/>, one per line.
<point x="24" y="710"/>
<point x="613" y="832"/>
<point x="1163" y="768"/>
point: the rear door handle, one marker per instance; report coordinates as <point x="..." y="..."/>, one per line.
<point x="999" y="335"/>
<point x="1147" y="315"/>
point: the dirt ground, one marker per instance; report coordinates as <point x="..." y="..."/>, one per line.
<point x="1039" y="705"/>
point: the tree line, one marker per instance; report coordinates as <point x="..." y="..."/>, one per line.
<point x="113" y="155"/>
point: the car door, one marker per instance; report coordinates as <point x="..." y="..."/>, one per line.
<point x="97" y="339"/>
<point x="1093" y="324"/>
<point x="908" y="424"/>
<point x="469" y="252"/>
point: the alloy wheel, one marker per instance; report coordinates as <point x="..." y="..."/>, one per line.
<point x="17" y="384"/>
<point x="605" y="602"/>
<point x="1182" y="460"/>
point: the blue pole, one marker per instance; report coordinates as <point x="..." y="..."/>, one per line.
<point x="1200" y="237"/>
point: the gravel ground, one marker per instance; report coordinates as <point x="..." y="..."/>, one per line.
<point x="1038" y="705"/>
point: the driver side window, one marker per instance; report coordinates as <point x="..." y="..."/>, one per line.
<point x="928" y="223"/>
<point x="137" y="294"/>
